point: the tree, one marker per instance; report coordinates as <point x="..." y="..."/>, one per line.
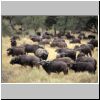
<point x="10" y="18"/>
<point x="72" y="21"/>
<point x="50" y="22"/>
<point x="57" y="23"/>
<point x="6" y="28"/>
<point x="92" y="23"/>
<point x="37" y="22"/>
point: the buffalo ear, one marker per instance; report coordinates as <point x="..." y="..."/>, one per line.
<point x="48" y="62"/>
<point x="41" y="62"/>
<point x="8" y="49"/>
<point x="11" y="49"/>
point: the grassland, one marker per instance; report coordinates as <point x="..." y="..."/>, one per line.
<point x="19" y="74"/>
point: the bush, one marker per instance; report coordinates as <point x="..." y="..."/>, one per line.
<point x="5" y="29"/>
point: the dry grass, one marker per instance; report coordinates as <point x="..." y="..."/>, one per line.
<point x="19" y="74"/>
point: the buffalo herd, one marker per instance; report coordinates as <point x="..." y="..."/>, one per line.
<point x="66" y="58"/>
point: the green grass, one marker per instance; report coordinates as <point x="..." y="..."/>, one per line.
<point x="19" y="74"/>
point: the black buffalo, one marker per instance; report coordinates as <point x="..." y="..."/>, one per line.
<point x="81" y="54"/>
<point x="13" y="43"/>
<point x="88" y="45"/>
<point x="64" y="52"/>
<point x="56" y="39"/>
<point x="93" y="42"/>
<point x="31" y="48"/>
<point x="83" y="66"/>
<point x="87" y="59"/>
<point x="44" y="41"/>
<point x="55" y="66"/>
<point x="46" y="35"/>
<point x="91" y="36"/>
<point x="85" y="49"/>
<point x="75" y="40"/>
<point x="69" y="36"/>
<point x="35" y="38"/>
<point x="58" y="44"/>
<point x="25" y="60"/>
<point x="15" y="51"/>
<point x="81" y="36"/>
<point x="67" y="60"/>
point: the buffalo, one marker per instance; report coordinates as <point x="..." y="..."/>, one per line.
<point x="31" y="48"/>
<point x="83" y="66"/>
<point x="25" y="60"/>
<point x="55" y="66"/>
<point x="93" y="42"/>
<point x="44" y="41"/>
<point x="56" y="39"/>
<point x="91" y="46"/>
<point x="13" y="43"/>
<point x="62" y="50"/>
<point x="46" y="35"/>
<point x="75" y="40"/>
<point x="67" y="60"/>
<point x="35" y="38"/>
<point x="87" y="59"/>
<point x="38" y="33"/>
<point x="85" y="49"/>
<point x="81" y="36"/>
<point x="16" y="51"/>
<point x="69" y="36"/>
<point x="66" y="53"/>
<point x="58" y="44"/>
<point x="41" y="53"/>
<point x="81" y="54"/>
<point x="91" y="36"/>
<point x="88" y="45"/>
<point x="76" y="47"/>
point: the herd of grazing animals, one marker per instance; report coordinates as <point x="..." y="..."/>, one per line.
<point x="65" y="59"/>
